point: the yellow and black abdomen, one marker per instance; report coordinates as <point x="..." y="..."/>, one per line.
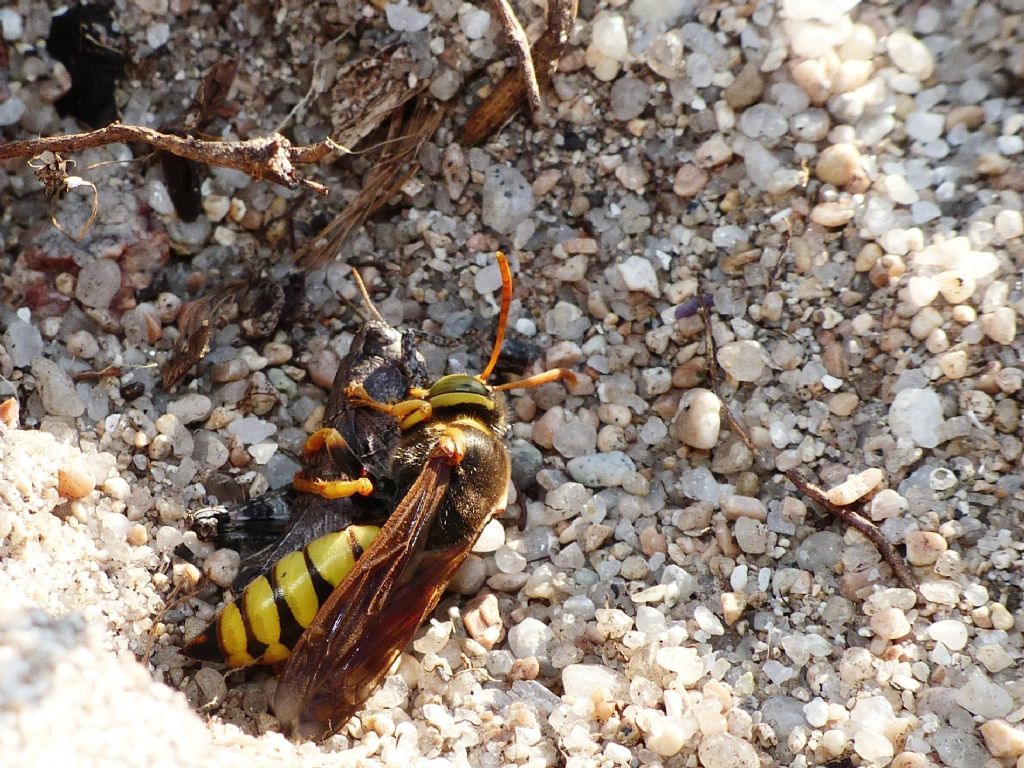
<point x="263" y="625"/>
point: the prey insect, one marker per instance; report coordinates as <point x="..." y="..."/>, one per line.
<point x="451" y="473"/>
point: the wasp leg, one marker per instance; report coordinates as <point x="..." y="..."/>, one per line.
<point x="332" y="489"/>
<point x="452" y="444"/>
<point x="406" y="412"/>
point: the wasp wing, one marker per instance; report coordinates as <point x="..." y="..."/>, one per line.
<point x="369" y="619"/>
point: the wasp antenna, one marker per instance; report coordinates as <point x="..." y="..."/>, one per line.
<point x="506" y="304"/>
<point x="366" y="295"/>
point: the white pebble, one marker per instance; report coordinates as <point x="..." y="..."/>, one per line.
<point x="221" y="567"/>
<point x="530" y="637"/>
<point x="698" y="419"/>
<point x="910" y="54"/>
<point x="952" y="633"/>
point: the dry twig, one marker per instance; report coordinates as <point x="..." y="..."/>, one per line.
<point x="268" y="157"/>
<point x="392" y="169"/>
<point x="851" y="516"/>
<point x="517" y="39"/>
<point x="508" y="94"/>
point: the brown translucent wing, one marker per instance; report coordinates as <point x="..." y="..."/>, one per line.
<point x="367" y="621"/>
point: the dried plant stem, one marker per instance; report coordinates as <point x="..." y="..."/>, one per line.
<point x="508" y="94"/>
<point x="517" y="39"/>
<point x="268" y="157"/>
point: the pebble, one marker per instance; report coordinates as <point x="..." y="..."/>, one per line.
<point x="873" y="747"/>
<point x="698" y="420"/>
<point x="1009" y="224"/>
<point x="482" y="619"/>
<point x="1000" y="325"/>
<point x="952" y="633"/>
<point x="856" y="486"/>
<point x="594" y="682"/>
<point x="751" y="535"/>
<point x="601" y="470"/>
<point x="1002" y="739"/>
<point x="530" y="637"/>
<point x="839" y="164"/>
<point x="221" y="567"/>
<point x="980" y="696"/>
<point x="916" y="414"/>
<point x="506" y="199"/>
<point x="690" y="181"/>
<point x="723" y="750"/>
<point x="890" y="624"/>
<point x="742" y="360"/>
<point x="638" y="275"/>
<point x="887" y="503"/>
<point x="75" y="480"/>
<point x="910" y="54"/>
<point x="406" y="18"/>
<point x="98" y="282"/>
<point x="685" y="662"/>
<point x="56" y="389"/>
<point x="924" y="547"/>
<point x="491" y="537"/>
<point x="191" y="408"/>
<point x="733" y="605"/>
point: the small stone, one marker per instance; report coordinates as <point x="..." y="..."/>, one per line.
<point x="698" y="419"/>
<point x="746" y="89"/>
<point x="980" y="696"/>
<point x="98" y="282"/>
<point x="950" y="632"/>
<point x="856" y="486"/>
<point x="470" y="577"/>
<point x="638" y="274"/>
<point x="690" y="180"/>
<point x="733" y="605"/>
<point x="1001" y="617"/>
<point x="601" y="470"/>
<point x="608" y="36"/>
<point x="56" y="389"/>
<point x="723" y="750"/>
<point x="506" y="199"/>
<point x="751" y="535"/>
<point x="916" y="414"/>
<point x="890" y="624"/>
<point x="873" y="747"/>
<point x="221" y="567"/>
<point x="1000" y="325"/>
<point x="924" y="547"/>
<point x="838" y="164"/>
<point x="843" y="404"/>
<point x="191" y="408"/>
<point x="405" y="18"/>
<point x="529" y="638"/>
<point x="74" y="480"/>
<point x="1002" y="739"/>
<point x="594" y="682"/>
<point x="712" y="152"/>
<point x="482" y="620"/>
<point x="685" y="662"/>
<point x="1009" y="224"/>
<point x="816" y="712"/>
<point x="832" y="214"/>
<point x="212" y="687"/>
<point x="887" y="503"/>
<point x="910" y="54"/>
<point x="742" y="360"/>
<point x="491" y="537"/>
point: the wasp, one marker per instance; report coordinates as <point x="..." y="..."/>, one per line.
<point x="451" y="472"/>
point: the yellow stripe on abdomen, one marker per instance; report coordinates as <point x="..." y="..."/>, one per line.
<point x="260" y="629"/>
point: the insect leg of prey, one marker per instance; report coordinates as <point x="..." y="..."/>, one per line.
<point x="335" y="444"/>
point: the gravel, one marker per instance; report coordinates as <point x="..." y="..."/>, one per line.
<point x="840" y="180"/>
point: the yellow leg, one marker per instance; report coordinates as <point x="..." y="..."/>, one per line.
<point x="325" y="437"/>
<point x="406" y="412"/>
<point x="333" y="489"/>
<point x="555" y="374"/>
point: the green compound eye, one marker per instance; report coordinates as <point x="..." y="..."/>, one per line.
<point x="460" y="389"/>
